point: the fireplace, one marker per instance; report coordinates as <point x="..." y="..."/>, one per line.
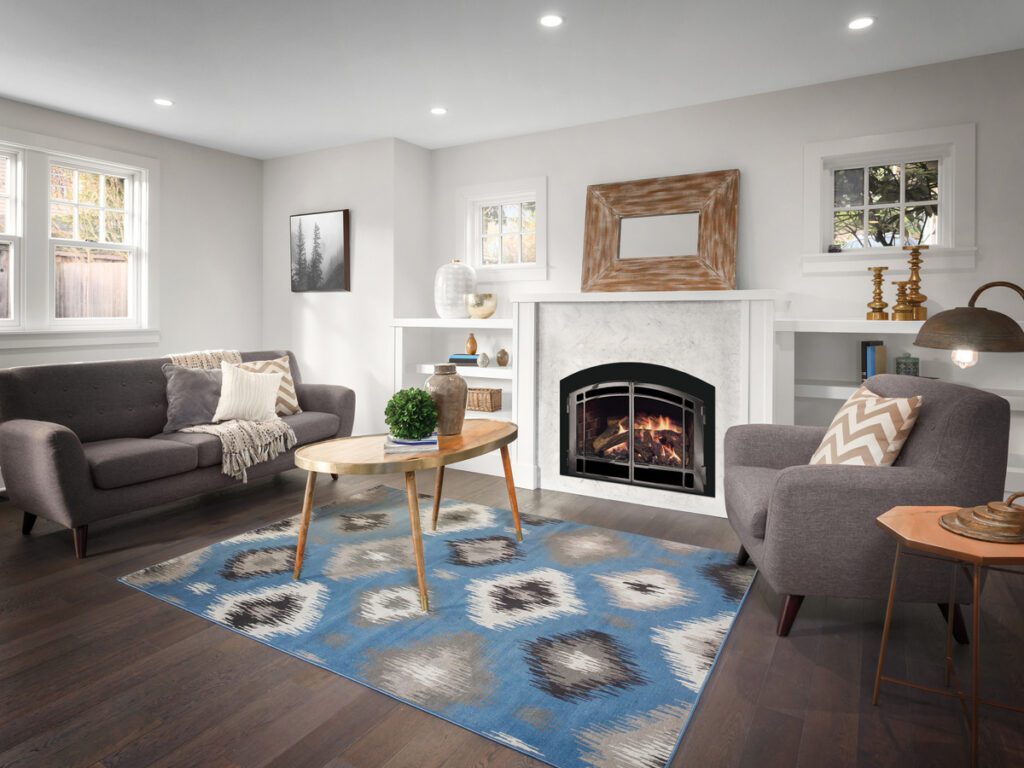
<point x="639" y="424"/>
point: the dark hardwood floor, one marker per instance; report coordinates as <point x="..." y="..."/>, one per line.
<point x="93" y="673"/>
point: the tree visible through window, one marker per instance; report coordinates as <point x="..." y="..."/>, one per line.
<point x="507" y="233"/>
<point x="89" y="208"/>
<point x="885" y="206"/>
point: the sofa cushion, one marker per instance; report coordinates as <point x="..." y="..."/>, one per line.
<point x="129" y="460"/>
<point x="207" y="446"/>
<point x="311" y="426"/>
<point x="192" y="396"/>
<point x="747" y="493"/>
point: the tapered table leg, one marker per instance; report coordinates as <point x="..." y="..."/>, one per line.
<point x="438" y="482"/>
<point x="417" y="537"/>
<point x="888" y="625"/>
<point x="507" y="464"/>
<point x="307" y="512"/>
<point x="950" y="614"/>
<point x="975" y="650"/>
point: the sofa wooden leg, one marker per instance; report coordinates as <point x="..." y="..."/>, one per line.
<point x="959" y="627"/>
<point x="28" y="520"/>
<point x="81" y="533"/>
<point x="790" y="608"/>
<point x="742" y="557"/>
<point x="334" y="476"/>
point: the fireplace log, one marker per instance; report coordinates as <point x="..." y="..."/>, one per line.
<point x="613" y="435"/>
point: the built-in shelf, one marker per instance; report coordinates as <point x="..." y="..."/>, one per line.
<point x="505" y="414"/>
<point x="491" y="323"/>
<point x="1015" y="472"/>
<point x="469" y="372"/>
<point x="841" y="390"/>
<point x="851" y="325"/>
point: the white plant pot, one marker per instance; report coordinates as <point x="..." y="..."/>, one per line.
<point x="451" y="284"/>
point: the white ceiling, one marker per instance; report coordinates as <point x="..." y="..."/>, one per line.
<point x="267" y="77"/>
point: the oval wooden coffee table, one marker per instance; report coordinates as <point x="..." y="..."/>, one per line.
<point x="365" y="456"/>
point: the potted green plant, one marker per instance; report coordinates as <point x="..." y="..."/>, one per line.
<point x="411" y="414"/>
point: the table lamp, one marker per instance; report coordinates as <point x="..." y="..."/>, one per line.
<point x="970" y="330"/>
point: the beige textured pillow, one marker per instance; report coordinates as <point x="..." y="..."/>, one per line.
<point x="287" y="398"/>
<point x="868" y="430"/>
<point x="245" y="395"/>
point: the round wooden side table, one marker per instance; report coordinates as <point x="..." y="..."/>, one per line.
<point x="365" y="456"/>
<point x="918" y="532"/>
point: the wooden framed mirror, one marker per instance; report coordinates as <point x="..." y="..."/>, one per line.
<point x="676" y="233"/>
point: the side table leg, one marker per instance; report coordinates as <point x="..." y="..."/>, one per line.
<point x="507" y="464"/>
<point x="975" y="651"/>
<point x="950" y="614"/>
<point x="438" y="482"/>
<point x="888" y="625"/>
<point x="417" y="537"/>
<point x="307" y="512"/>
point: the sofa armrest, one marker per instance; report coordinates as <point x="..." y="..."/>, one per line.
<point x="45" y="470"/>
<point x="330" y="398"/>
<point x="773" y="446"/>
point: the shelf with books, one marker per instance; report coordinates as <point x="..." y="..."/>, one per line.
<point x="851" y="325"/>
<point x="470" y="372"/>
<point x="467" y="323"/>
<point x="841" y="390"/>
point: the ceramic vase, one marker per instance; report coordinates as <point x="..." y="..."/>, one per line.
<point x="452" y="283"/>
<point x="471" y="345"/>
<point x="502" y="357"/>
<point x="449" y="392"/>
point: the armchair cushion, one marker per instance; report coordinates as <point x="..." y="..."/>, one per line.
<point x="868" y="430"/>
<point x="748" y="492"/>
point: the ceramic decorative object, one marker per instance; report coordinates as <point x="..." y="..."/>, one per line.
<point x="471" y="345"/>
<point x="482" y="360"/>
<point x="907" y="365"/>
<point x="449" y="392"/>
<point x="502" y="357"/>
<point x="877" y="304"/>
<point x="915" y="298"/>
<point x="481" y="305"/>
<point x="452" y="283"/>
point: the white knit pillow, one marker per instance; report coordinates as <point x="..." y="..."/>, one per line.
<point x="247" y="396"/>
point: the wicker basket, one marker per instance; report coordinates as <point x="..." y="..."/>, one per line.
<point x="483" y="399"/>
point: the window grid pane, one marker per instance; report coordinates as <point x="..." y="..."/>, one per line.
<point x="5" y="281"/>
<point x="87" y="206"/>
<point x="91" y="282"/>
<point x="507" y="233"/>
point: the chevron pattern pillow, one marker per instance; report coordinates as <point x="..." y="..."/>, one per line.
<point x="869" y="430"/>
<point x="287" y="398"/>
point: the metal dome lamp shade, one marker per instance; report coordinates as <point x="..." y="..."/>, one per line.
<point x="970" y="330"/>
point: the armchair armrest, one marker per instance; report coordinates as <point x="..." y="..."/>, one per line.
<point x="773" y="446"/>
<point x="329" y="398"/>
<point x="45" y="470"/>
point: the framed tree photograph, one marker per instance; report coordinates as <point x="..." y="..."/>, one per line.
<point x="319" y="251"/>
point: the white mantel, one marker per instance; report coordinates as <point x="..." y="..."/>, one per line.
<point x="723" y="337"/>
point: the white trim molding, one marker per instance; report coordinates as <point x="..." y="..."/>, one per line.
<point x="953" y="146"/>
<point x="468" y="201"/>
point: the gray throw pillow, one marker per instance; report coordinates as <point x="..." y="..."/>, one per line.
<point x="192" y="395"/>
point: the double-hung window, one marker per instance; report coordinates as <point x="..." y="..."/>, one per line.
<point x="93" y="247"/>
<point x="73" y="244"/>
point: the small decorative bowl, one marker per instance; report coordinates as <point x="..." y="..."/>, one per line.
<point x="481" y="305"/>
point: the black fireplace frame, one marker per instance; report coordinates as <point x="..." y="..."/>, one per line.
<point x="647" y="373"/>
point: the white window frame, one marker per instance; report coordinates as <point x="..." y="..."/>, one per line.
<point x="133" y="246"/>
<point x="34" y="325"/>
<point x="469" y="203"/>
<point x="13" y="239"/>
<point x="953" y="147"/>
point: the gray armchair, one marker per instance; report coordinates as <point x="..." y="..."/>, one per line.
<point x="811" y="530"/>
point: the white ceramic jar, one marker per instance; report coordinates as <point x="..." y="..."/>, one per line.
<point x="451" y="284"/>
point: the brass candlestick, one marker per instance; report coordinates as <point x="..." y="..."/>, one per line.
<point x="902" y="310"/>
<point x="914" y="296"/>
<point x="877" y="305"/>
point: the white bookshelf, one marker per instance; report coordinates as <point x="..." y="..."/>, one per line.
<point x="847" y="325"/>
<point x="423" y="342"/>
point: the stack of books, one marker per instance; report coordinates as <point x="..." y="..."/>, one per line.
<point x="872" y="359"/>
<point x="394" y="444"/>
<point x="461" y="358"/>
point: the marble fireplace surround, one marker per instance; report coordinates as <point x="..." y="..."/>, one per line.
<point x="725" y="338"/>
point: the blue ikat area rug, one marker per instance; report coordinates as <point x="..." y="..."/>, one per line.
<point x="580" y="646"/>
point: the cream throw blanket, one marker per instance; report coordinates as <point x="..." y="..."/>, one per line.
<point x="244" y="444"/>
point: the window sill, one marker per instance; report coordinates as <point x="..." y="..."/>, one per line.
<point x="936" y="260"/>
<point x="78" y="337"/>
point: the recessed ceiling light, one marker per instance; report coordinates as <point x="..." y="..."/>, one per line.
<point x="161" y="102"/>
<point x="438" y="111"/>
<point x="861" y="22"/>
<point x="551" y="20"/>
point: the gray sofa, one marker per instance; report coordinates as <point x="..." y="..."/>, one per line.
<point x="811" y="529"/>
<point x="84" y="442"/>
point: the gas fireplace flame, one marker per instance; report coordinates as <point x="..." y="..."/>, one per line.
<point x="657" y="441"/>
